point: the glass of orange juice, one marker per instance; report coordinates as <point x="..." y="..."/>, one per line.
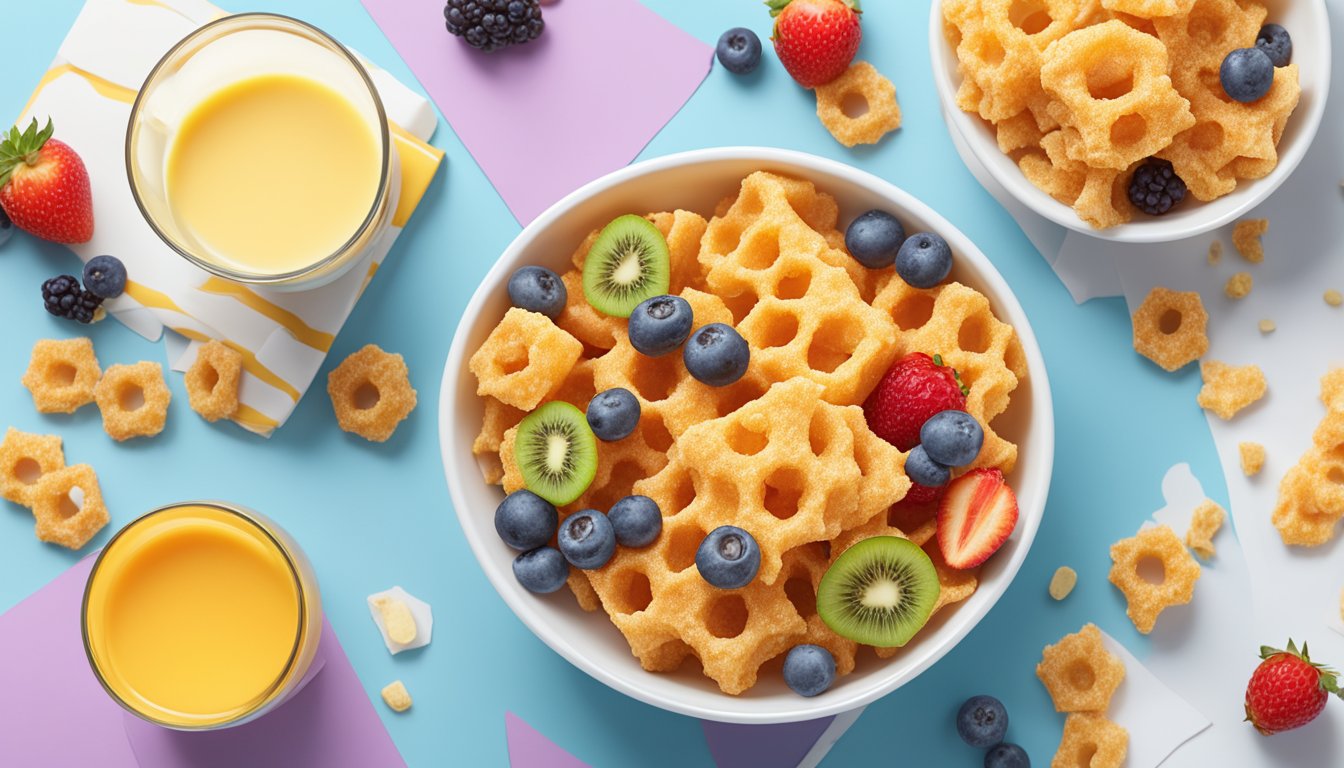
<point x="259" y="150"/>
<point x="201" y="615"/>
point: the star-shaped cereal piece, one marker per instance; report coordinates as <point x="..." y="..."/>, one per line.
<point x="1080" y="674"/>
<point x="1146" y="599"/>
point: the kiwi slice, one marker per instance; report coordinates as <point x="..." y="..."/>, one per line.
<point x="627" y="264"/>
<point x="556" y="452"/>
<point x="879" y="592"/>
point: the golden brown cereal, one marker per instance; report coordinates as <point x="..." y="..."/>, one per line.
<point x="396" y="696"/>
<point x="1147" y="599"/>
<point x="68" y="505"/>
<point x="582" y="321"/>
<point x="1215" y="252"/>
<point x="24" y="460"/>
<point x="859" y="106"/>
<point x="1091" y="741"/>
<point x="524" y="358"/>
<point x="371" y="393"/>
<point x="1267" y="326"/>
<point x="212" y="381"/>
<point x="683" y="231"/>
<point x="397" y="619"/>
<point x="1229" y="388"/>
<point x="1169" y="328"/>
<point x="1246" y="238"/>
<point x="1148" y="9"/>
<point x="1333" y="297"/>
<point x="62" y="374"/>
<point x="1204" y="524"/>
<point x="1063" y="582"/>
<point x="133" y="400"/>
<point x="1238" y="285"/>
<point x="999" y="54"/>
<point x="1252" y="458"/>
<point x="1311" y="499"/>
<point x="1080" y="674"/>
<point x="499" y="418"/>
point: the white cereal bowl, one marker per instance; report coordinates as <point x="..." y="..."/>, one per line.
<point x="1309" y="25"/>
<point x="696" y="181"/>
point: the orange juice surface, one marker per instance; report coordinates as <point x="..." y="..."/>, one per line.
<point x="193" y="616"/>
<point x="272" y="174"/>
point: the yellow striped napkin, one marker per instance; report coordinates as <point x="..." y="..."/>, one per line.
<point x="283" y="337"/>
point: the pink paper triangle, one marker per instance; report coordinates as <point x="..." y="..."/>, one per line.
<point x="529" y="749"/>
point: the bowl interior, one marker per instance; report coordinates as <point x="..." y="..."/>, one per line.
<point x="696" y="181"/>
<point x="1305" y="20"/>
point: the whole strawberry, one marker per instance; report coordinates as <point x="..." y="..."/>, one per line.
<point x="1287" y="690"/>
<point x="815" y="39"/>
<point x="914" y="388"/>
<point x="44" y="187"/>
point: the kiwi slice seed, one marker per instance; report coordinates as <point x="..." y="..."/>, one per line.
<point x="556" y="452"/>
<point x="880" y="591"/>
<point x="627" y="264"/>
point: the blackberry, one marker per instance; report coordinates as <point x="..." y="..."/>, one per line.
<point x="493" y="24"/>
<point x="1155" y="188"/>
<point x="63" y="297"/>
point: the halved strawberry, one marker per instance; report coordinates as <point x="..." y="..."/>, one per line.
<point x="977" y="514"/>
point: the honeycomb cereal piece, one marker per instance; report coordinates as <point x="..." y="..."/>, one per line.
<point x="1148" y="9"/>
<point x="1169" y="328"/>
<point x="800" y="578"/>
<point x="1311" y="500"/>
<point x="1252" y="458"/>
<point x="1204" y="524"/>
<point x="876" y="115"/>
<point x="1017" y="133"/>
<point x="498" y="418"/>
<point x="371" y="393"/>
<point x="1091" y="741"/>
<point x="524" y="358"/>
<point x="396" y="697"/>
<point x="1333" y="297"/>
<point x="1114" y="99"/>
<point x="133" y="400"/>
<point x="578" y="387"/>
<point x="582" y="321"/>
<point x="1202" y="35"/>
<point x="1229" y="388"/>
<point x="999" y="53"/>
<point x="706" y="308"/>
<point x="1215" y="252"/>
<point x="1238" y="285"/>
<point x="24" y="460"/>
<point x="1079" y="673"/>
<point x="212" y="381"/>
<point x="1246" y="236"/>
<point x="683" y="231"/>
<point x="69" y="508"/>
<point x="582" y="589"/>
<point x="397" y="619"/>
<point x="1063" y="582"/>
<point x="1179" y="573"/>
<point x="623" y="463"/>
<point x="62" y="374"/>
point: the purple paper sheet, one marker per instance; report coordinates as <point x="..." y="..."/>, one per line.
<point x="762" y="746"/>
<point x="538" y="118"/>
<point x="53" y="711"/>
<point x="529" y="749"/>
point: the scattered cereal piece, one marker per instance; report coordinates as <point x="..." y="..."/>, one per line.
<point x="404" y="621"/>
<point x="523" y="359"/>
<point x="1229" y="388"/>
<point x="371" y="393"/>
<point x="1080" y="674"/>
<point x="69" y="508"/>
<point x="859" y="106"/>
<point x="397" y="620"/>
<point x="24" y="459"/>
<point x="1091" y="741"/>
<point x="212" y="381"/>
<point x="1239" y="285"/>
<point x="1204" y="524"/>
<point x="1063" y="582"/>
<point x="1246" y="239"/>
<point x="1215" y="252"/>
<point x="1267" y="326"/>
<point x="1333" y="298"/>
<point x="1170" y="328"/>
<point x="1311" y="499"/>
<point x="397" y="697"/>
<point x="1148" y="599"/>
<point x="134" y="400"/>
<point x="1252" y="458"/>
<point x="62" y="374"/>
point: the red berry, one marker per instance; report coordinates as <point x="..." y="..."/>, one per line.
<point x="913" y="389"/>
<point x="815" y="39"/>
<point x="44" y="186"/>
<point x="1287" y="690"/>
<point x="977" y="514"/>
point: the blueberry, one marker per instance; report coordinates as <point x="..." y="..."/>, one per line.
<point x="924" y="260"/>
<point x="105" y="277"/>
<point x="659" y="325"/>
<point x="636" y="520"/>
<point x="1246" y="74"/>
<point x="6" y="227"/>
<point x="952" y="438"/>
<point x="613" y="414"/>
<point x="874" y="238"/>
<point x="982" y="721"/>
<point x="739" y="50"/>
<point x="1007" y="756"/>
<point x="587" y="539"/>
<point x="728" y="558"/>
<point x="538" y="289"/>
<point x="1275" y="41"/>
<point x="542" y="570"/>
<point x="809" y="669"/>
<point x="716" y="355"/>
<point x="525" y="521"/>
<point x="924" y="470"/>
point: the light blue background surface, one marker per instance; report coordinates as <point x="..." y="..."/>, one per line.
<point x="371" y="516"/>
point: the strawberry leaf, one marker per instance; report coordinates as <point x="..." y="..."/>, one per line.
<point x="22" y="147"/>
<point x="776" y="6"/>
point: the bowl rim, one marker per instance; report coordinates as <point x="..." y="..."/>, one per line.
<point x="1003" y="297"/>
<point x="1016" y="185"/>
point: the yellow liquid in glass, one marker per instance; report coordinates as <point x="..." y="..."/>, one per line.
<point x="272" y="174"/>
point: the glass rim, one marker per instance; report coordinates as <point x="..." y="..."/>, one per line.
<point x="249" y="708"/>
<point x="384" y="135"/>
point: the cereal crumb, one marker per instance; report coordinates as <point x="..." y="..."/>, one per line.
<point x="1229" y="388"/>
<point x="397" y="619"/>
<point x="1170" y="328"/>
<point x="1079" y="673"/>
<point x="1333" y="298"/>
<point x="1204" y="524"/>
<point x="1252" y="458"/>
<point x="1145" y="599"/>
<point x="371" y="393"/>
<point x="1239" y="285"/>
<point x="1106" y="743"/>
<point x="1063" y="582"/>
<point x="396" y="696"/>
<point x="861" y="81"/>
<point x="1246" y="239"/>
<point x="1267" y="326"/>
<point x="1215" y="252"/>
